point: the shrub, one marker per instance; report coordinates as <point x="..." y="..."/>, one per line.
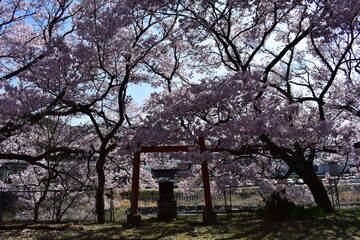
<point x="277" y="207"/>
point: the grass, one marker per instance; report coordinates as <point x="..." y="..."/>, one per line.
<point x="340" y="225"/>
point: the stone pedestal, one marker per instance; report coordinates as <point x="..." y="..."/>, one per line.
<point x="166" y="210"/>
<point x="166" y="205"/>
<point x="134" y="219"/>
<point x="209" y="217"/>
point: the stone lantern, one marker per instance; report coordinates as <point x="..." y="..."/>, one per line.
<point x="166" y="204"/>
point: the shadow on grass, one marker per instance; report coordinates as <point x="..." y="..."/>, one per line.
<point x="340" y="226"/>
<point x="240" y="226"/>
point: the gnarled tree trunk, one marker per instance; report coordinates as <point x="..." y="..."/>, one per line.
<point x="316" y="187"/>
<point x="303" y="167"/>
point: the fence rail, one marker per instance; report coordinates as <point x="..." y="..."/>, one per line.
<point x="79" y="205"/>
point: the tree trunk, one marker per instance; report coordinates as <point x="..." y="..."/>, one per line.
<point x="41" y="200"/>
<point x="37" y="205"/>
<point x="36" y="212"/>
<point x="303" y="168"/>
<point x="100" y="206"/>
<point x="316" y="187"/>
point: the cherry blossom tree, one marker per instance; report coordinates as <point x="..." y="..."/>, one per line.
<point x="277" y="81"/>
<point x="29" y="32"/>
<point x="77" y="58"/>
<point x="118" y="39"/>
<point x="38" y="179"/>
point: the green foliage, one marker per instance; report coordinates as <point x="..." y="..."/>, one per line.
<point x="151" y="194"/>
<point x="353" y="209"/>
<point x="308" y="212"/>
<point x="143" y="194"/>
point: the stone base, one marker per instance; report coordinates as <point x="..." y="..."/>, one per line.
<point x="134" y="219"/>
<point x="166" y="210"/>
<point x="209" y="218"/>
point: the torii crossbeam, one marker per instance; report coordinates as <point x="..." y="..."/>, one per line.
<point x="209" y="216"/>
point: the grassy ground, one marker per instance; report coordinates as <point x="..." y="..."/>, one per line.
<point x="343" y="225"/>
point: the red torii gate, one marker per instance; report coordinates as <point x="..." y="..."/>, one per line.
<point x="209" y="216"/>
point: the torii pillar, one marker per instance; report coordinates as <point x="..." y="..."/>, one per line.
<point x="134" y="218"/>
<point x="209" y="216"/>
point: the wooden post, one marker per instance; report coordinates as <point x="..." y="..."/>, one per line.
<point x="134" y="217"/>
<point x="1" y="207"/>
<point x="112" y="210"/>
<point x="209" y="216"/>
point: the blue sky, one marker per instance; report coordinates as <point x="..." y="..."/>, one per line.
<point x="140" y="92"/>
